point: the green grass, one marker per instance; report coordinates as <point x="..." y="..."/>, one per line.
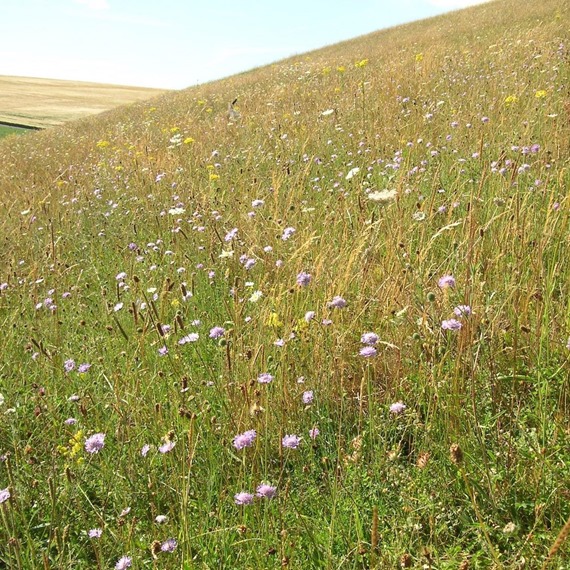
<point x="5" y="131"/>
<point x="127" y="233"/>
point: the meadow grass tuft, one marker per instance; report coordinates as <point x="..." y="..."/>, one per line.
<point x="330" y="330"/>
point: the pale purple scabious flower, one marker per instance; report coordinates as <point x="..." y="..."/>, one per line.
<point x="314" y="433"/>
<point x="245" y="439"/>
<point x="326" y="322"/>
<point x="243" y="498"/>
<point x="4" y="495"/>
<point x="446" y="281"/>
<point x="167" y="446"/>
<point x="308" y="397"/>
<point x="303" y="279"/>
<point x="287" y="233"/>
<point x="123" y="563"/>
<point x="145" y="449"/>
<point x="84" y="368"/>
<point x="337" y="302"/>
<point x="369" y="338"/>
<point x="132" y="246"/>
<point x="266" y="491"/>
<point x="291" y="441"/>
<point x="451" y="325"/>
<point x="397" y="408"/>
<point x="485" y="119"/>
<point x="462" y="311"/>
<point x="169" y="545"/>
<point x="279" y="263"/>
<point x="368" y="351"/>
<point x="95" y="443"/>
<point x="279" y="342"/>
<point x="121" y="276"/>
<point x="231" y="235"/>
<point x="118" y="307"/>
<point x="217" y="332"/>
<point x="257" y="203"/>
<point x="163" y="351"/>
<point x="3" y="286"/>
<point x="265" y="378"/>
<point x="69" y="365"/>
<point x="309" y="316"/>
<point x="95" y="533"/>
<point x="70" y="421"/>
<point x="192" y="337"/>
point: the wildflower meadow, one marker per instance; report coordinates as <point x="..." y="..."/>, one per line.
<point x="315" y="315"/>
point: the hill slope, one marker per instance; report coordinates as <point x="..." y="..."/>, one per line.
<point x="331" y="332"/>
<point x="47" y="102"/>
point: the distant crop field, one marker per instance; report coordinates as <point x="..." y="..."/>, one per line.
<point x="49" y="102"/>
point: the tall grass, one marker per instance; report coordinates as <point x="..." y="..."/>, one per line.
<point x="174" y="278"/>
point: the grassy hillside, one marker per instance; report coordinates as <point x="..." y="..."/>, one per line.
<point x="332" y="332"/>
<point x="48" y="102"/>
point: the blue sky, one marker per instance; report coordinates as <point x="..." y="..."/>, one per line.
<point x="174" y="44"/>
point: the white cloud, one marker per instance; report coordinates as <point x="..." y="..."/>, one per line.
<point x="94" y="4"/>
<point x="455" y="3"/>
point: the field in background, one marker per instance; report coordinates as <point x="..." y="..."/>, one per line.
<point x="326" y="330"/>
<point x="48" y="102"/>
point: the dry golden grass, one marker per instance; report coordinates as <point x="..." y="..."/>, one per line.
<point x="48" y="102"/>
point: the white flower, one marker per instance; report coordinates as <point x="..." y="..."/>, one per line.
<point x="226" y="254"/>
<point x="255" y="297"/>
<point x="327" y="112"/>
<point x="176" y="211"/>
<point x="382" y="195"/>
<point x="352" y="172"/>
<point x="419" y="216"/>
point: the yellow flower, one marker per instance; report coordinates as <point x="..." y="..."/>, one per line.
<point x="361" y="63"/>
<point x="174" y="129"/>
<point x="540" y="94"/>
<point x="326" y="70"/>
<point x="201" y="102"/>
<point x="103" y="144"/>
<point x="341" y="69"/>
<point x="511" y="99"/>
<point x="419" y="56"/>
<point x="188" y="140"/>
<point x="273" y="320"/>
<point x="214" y="176"/>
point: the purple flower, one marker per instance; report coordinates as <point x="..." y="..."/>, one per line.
<point x="485" y="119"/>
<point x="217" y="332"/>
<point x="303" y="279"/>
<point x="257" y="203"/>
<point x="265" y="378"/>
<point x="95" y="533"/>
<point x="462" y="311"/>
<point x="287" y="233"/>
<point x="169" y="545"/>
<point x="337" y="302"/>
<point x="291" y="441"/>
<point x="369" y="338"/>
<point x="309" y="316"/>
<point x="84" y="368"/>
<point x="243" y="498"/>
<point x="123" y="563"/>
<point x="368" y="351"/>
<point x="279" y="342"/>
<point x="192" y="337"/>
<point x="145" y="449"/>
<point x="167" y="446"/>
<point x="69" y="365"/>
<point x="397" y="408"/>
<point x="446" y="281"/>
<point x="70" y="421"/>
<point x="245" y="439"/>
<point x="314" y="433"/>
<point x="308" y="397"/>
<point x="451" y="325"/>
<point x="163" y="351"/>
<point x="4" y="495"/>
<point x="231" y="235"/>
<point x="95" y="443"/>
<point x="266" y="491"/>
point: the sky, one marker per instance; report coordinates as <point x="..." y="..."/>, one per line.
<point x="173" y="44"/>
